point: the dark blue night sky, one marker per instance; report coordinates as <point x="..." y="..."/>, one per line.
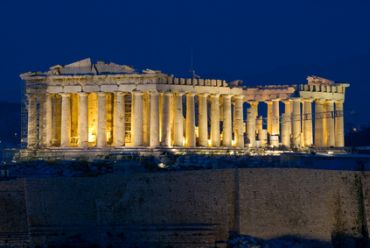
<point x="264" y="41"/>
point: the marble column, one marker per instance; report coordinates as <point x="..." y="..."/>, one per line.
<point x="203" y="120"/>
<point x="269" y="117"/>
<point x="325" y="125"/>
<point x="288" y="106"/>
<point x="319" y="123"/>
<point x="251" y="127"/>
<point x="48" y="120"/>
<point x="262" y="137"/>
<point x="101" y="140"/>
<point x="190" y="120"/>
<point x="82" y="120"/>
<point x="259" y="123"/>
<point x="238" y="122"/>
<point x="275" y="123"/>
<point x="339" y="124"/>
<point x="178" y="134"/>
<point x="296" y="125"/>
<point x="286" y="129"/>
<point x="119" y="120"/>
<point x="32" y="139"/>
<point x="330" y="123"/>
<point x="307" y="122"/>
<point x="254" y="107"/>
<point x="146" y="119"/>
<point x="55" y="120"/>
<point x="215" y="120"/>
<point x="166" y="120"/>
<point x="227" y="128"/>
<point x="137" y="119"/>
<point x="286" y="140"/>
<point x="154" y="119"/>
<point x="65" y="120"/>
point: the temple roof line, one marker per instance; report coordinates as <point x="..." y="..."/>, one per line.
<point x="86" y="69"/>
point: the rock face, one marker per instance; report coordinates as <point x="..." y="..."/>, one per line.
<point x="185" y="208"/>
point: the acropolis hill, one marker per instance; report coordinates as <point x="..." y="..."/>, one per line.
<point x="118" y="158"/>
<point x="111" y="109"/>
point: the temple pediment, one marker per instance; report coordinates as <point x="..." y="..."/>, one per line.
<point x="86" y="67"/>
<point x="314" y="80"/>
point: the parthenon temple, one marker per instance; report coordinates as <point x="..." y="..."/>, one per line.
<point x="85" y="106"/>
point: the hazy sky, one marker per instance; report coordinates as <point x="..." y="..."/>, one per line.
<point x="265" y="41"/>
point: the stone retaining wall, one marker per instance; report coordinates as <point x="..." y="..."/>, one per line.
<point x="186" y="208"/>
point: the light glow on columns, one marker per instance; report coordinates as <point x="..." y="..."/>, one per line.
<point x="209" y="142"/>
<point x="91" y="136"/>
<point x="196" y="129"/>
<point x="108" y="135"/>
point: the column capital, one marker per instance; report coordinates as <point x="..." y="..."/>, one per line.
<point x="203" y="94"/>
<point x="296" y="99"/>
<point x="268" y="102"/>
<point x="120" y="93"/>
<point x="65" y="94"/>
<point x="227" y="96"/>
<point x="137" y="93"/>
<point x="168" y="93"/>
<point x="307" y="100"/>
<point x="179" y="93"/>
<point x="241" y="97"/>
<point x="215" y="95"/>
<point x="100" y="93"/>
<point x="319" y="100"/>
<point x="154" y="93"/>
<point x="190" y="93"/>
<point x="287" y="101"/>
<point x="341" y="101"/>
<point x="276" y="100"/>
<point x="82" y="93"/>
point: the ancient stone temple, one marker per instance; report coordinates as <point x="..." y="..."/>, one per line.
<point x="113" y="108"/>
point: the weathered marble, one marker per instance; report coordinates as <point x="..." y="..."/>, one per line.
<point x="82" y="105"/>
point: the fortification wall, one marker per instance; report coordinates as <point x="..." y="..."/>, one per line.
<point x="192" y="208"/>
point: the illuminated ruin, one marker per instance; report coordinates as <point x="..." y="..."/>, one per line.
<point x="108" y="107"/>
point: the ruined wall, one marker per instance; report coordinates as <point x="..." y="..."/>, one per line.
<point x="198" y="207"/>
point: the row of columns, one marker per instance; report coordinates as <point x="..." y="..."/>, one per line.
<point x="297" y="123"/>
<point x="160" y="128"/>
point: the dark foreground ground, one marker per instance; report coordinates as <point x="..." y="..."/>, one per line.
<point x="292" y="200"/>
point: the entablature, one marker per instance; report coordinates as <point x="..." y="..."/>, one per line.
<point x="268" y="93"/>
